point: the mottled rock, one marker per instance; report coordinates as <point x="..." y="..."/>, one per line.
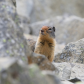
<point x="12" y="42"/>
<point x="12" y="71"/>
<point x="73" y="52"/>
<point x="18" y="19"/>
<point x="69" y="71"/>
<point x="24" y="8"/>
<point x="42" y="62"/>
<point x="13" y="2"/>
<point x="38" y="10"/>
<point x="66" y="28"/>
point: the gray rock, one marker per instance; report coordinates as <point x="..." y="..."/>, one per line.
<point x="18" y="19"/>
<point x="73" y="52"/>
<point x="12" y="42"/>
<point x="66" y="28"/>
<point x="66" y="72"/>
<point x="38" y="10"/>
<point x="12" y="2"/>
<point x="42" y="62"/>
<point x="24" y="7"/>
<point x="69" y="71"/>
<point x="12" y="71"/>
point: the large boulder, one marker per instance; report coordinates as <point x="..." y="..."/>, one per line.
<point x="68" y="71"/>
<point x="66" y="28"/>
<point x="38" y="10"/>
<point x="22" y="21"/>
<point x="13" y="2"/>
<point x="42" y="62"/>
<point x="12" y="42"/>
<point x="24" y="8"/>
<point x="73" y="52"/>
<point x="13" y="71"/>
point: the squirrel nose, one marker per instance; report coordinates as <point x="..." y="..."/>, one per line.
<point x="42" y="31"/>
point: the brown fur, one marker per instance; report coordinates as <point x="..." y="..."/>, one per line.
<point x="45" y="44"/>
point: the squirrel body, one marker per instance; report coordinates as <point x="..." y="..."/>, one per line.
<point x="46" y="42"/>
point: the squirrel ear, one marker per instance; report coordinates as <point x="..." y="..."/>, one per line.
<point x="54" y="29"/>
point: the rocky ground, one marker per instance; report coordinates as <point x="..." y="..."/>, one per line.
<point x="21" y="20"/>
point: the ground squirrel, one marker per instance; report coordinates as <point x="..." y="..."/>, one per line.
<point x="46" y="42"/>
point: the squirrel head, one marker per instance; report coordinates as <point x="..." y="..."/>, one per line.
<point x="47" y="31"/>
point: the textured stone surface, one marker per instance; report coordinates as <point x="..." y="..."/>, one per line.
<point x="42" y="62"/>
<point x="13" y="2"/>
<point x="12" y="42"/>
<point x="73" y="52"/>
<point x="38" y="10"/>
<point x="24" y="8"/>
<point x="13" y="71"/>
<point x="69" y="71"/>
<point x="22" y="21"/>
<point x="66" y="28"/>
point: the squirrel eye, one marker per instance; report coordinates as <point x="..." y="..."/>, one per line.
<point x="49" y="29"/>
